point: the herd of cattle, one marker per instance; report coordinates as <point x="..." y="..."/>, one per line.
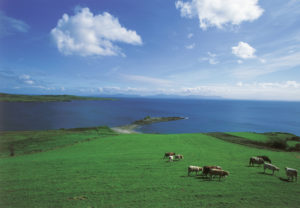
<point x="290" y="172"/>
<point x="213" y="171"/>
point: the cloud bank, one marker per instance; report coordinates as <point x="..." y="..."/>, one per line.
<point x="217" y="13"/>
<point x="86" y="34"/>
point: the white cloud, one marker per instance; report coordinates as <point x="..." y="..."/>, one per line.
<point x="192" y="46"/>
<point x="147" y="80"/>
<point x="186" y="9"/>
<point x="24" y="76"/>
<point x="276" y="62"/>
<point x="240" y="84"/>
<point x="217" y="13"/>
<point x="30" y="82"/>
<point x="239" y="61"/>
<point x="9" y="25"/>
<point x="211" y="58"/>
<point x="124" y="90"/>
<point x="190" y="35"/>
<point x="243" y="50"/>
<point x="87" y="34"/>
<point x="262" y="60"/>
<point x="26" y="79"/>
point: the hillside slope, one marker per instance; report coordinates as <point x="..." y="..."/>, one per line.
<point x="128" y="171"/>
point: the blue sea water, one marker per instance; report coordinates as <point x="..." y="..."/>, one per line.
<point x="203" y="115"/>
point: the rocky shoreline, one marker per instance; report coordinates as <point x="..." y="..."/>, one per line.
<point x="131" y="128"/>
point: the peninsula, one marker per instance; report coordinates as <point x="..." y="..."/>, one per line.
<point x="130" y="128"/>
<point x="4" y="97"/>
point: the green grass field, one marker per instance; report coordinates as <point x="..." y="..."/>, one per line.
<point x="128" y="171"/>
<point x="26" y="142"/>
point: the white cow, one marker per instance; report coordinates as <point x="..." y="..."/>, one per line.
<point x="171" y="158"/>
<point x="270" y="167"/>
<point x="192" y="168"/>
<point x="291" y="173"/>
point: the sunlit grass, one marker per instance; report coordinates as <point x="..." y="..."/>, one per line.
<point x="128" y="171"/>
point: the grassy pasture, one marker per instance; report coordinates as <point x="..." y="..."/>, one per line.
<point x="128" y="171"/>
<point x="26" y="142"/>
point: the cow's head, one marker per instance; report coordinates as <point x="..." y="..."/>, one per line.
<point x="226" y="173"/>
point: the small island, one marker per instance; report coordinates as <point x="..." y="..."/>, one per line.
<point x="128" y="129"/>
<point x="4" y="97"/>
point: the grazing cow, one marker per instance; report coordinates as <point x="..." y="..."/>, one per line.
<point x="256" y="160"/>
<point x="192" y="168"/>
<point x="265" y="158"/>
<point x="178" y="157"/>
<point x="270" y="167"/>
<point x="291" y="173"/>
<point x="171" y="158"/>
<point x="218" y="172"/>
<point x="167" y="154"/>
<point x="206" y="169"/>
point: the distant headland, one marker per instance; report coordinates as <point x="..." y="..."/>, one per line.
<point x="4" y="97"/>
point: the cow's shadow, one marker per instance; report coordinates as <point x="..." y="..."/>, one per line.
<point x="210" y="180"/>
<point x="284" y="179"/>
<point x="202" y="178"/>
<point x="172" y="161"/>
<point x="265" y="173"/>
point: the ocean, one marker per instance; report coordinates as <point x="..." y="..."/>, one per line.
<point x="202" y="115"/>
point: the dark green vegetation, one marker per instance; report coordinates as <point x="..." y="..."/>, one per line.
<point x="110" y="170"/>
<point x="149" y="120"/>
<point x="44" y="98"/>
<point x="270" y="140"/>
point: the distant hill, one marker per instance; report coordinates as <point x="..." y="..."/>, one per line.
<point x="4" y="97"/>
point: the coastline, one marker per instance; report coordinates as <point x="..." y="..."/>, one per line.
<point x="131" y="128"/>
<point x="4" y="97"/>
<point x="127" y="129"/>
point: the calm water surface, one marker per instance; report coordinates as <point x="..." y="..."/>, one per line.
<point x="203" y="115"/>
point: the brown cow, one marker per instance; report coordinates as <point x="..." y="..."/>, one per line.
<point x="178" y="157"/>
<point x="167" y="154"/>
<point x="265" y="158"/>
<point x="218" y="172"/>
<point x="206" y="169"/>
<point x="256" y="160"/>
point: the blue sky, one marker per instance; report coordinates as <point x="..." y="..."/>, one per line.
<point x="234" y="49"/>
